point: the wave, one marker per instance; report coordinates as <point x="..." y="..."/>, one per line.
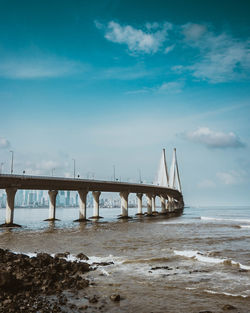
<point x="207" y="218"/>
<point x="163" y="259"/>
<point x="199" y="256"/>
<point x="226" y="293"/>
<point x="244" y="226"/>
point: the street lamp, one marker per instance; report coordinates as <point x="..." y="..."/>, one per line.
<point x="140" y="181"/>
<point x="114" y="171"/>
<point x="52" y="172"/>
<point x="12" y="160"/>
<point x="74" y="168"/>
<point x="1" y="167"/>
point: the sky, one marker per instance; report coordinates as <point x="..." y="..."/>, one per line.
<point x="112" y="83"/>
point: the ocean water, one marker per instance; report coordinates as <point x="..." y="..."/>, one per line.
<point x="198" y="261"/>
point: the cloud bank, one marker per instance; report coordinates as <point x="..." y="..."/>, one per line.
<point x="213" y="139"/>
<point x="231" y="178"/>
<point x="223" y="58"/>
<point x="38" y="67"/>
<point x="219" y="56"/>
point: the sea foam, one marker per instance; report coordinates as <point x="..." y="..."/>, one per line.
<point x="199" y="256"/>
<point x="207" y="218"/>
<point x="226" y="293"/>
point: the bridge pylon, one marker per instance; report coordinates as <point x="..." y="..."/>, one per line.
<point x="174" y="180"/>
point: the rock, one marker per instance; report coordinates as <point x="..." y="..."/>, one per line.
<point x="26" y="283"/>
<point x="82" y="256"/>
<point x="93" y="299"/>
<point x="228" y="307"/>
<point x="103" y="263"/>
<point x="242" y="270"/>
<point x="62" y="255"/>
<point x="161" y="268"/>
<point x="205" y="312"/>
<point x="83" y="307"/>
<point x="115" y="297"/>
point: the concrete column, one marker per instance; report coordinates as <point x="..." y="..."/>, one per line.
<point x="163" y="205"/>
<point x="82" y="205"/>
<point x="170" y="204"/>
<point x="96" y="196"/>
<point x="153" y="204"/>
<point x="52" y="205"/>
<point x="139" y="200"/>
<point x="10" y="201"/>
<point x="149" y="204"/>
<point x="124" y="204"/>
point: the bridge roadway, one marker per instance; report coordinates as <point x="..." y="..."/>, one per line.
<point x="11" y="183"/>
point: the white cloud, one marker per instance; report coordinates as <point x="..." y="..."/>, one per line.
<point x="149" y="40"/>
<point x="169" y="49"/>
<point x="223" y="58"/>
<point x="231" y="178"/>
<point x="165" y="88"/>
<point x="213" y="139"/>
<point x="171" y="87"/>
<point x="193" y="32"/>
<point x="4" y="143"/>
<point x="206" y="183"/>
<point x="124" y="73"/>
<point x="38" y="67"/>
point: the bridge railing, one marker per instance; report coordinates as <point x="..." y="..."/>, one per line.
<point x="23" y="176"/>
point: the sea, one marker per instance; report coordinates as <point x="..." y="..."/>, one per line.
<point x="196" y="262"/>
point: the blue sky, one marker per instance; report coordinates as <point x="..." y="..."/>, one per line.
<point x="114" y="82"/>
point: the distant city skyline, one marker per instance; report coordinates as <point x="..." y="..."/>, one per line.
<point x="40" y="199"/>
<point x="111" y="83"/>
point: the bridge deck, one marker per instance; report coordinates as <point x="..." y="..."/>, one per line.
<point x="57" y="183"/>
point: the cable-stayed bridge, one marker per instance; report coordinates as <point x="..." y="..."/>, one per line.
<point x="166" y="186"/>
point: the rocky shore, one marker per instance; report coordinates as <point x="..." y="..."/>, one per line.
<point x="43" y="283"/>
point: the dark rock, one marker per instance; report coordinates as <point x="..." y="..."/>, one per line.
<point x="83" y="307"/>
<point x="115" y="297"/>
<point x="242" y="270"/>
<point x="26" y="283"/>
<point x="228" y="307"/>
<point x="93" y="299"/>
<point x="205" y="312"/>
<point x="161" y="268"/>
<point x="62" y="255"/>
<point x="103" y="263"/>
<point x="82" y="256"/>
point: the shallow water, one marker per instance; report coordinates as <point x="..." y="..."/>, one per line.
<point x="205" y="254"/>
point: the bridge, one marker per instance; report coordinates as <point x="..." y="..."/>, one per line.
<point x="167" y="187"/>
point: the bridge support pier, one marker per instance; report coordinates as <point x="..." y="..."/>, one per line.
<point x="153" y="205"/>
<point x="163" y="205"/>
<point x="124" y="204"/>
<point x="139" y="200"/>
<point x="170" y="204"/>
<point x="52" y="205"/>
<point x="82" y="205"/>
<point x="96" y="196"/>
<point x="10" y="204"/>
<point x="149" y="205"/>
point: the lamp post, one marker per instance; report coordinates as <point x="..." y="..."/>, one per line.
<point x="139" y="176"/>
<point x="114" y="171"/>
<point x="74" y="168"/>
<point x="1" y="167"/>
<point x="52" y="172"/>
<point x="12" y="161"/>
